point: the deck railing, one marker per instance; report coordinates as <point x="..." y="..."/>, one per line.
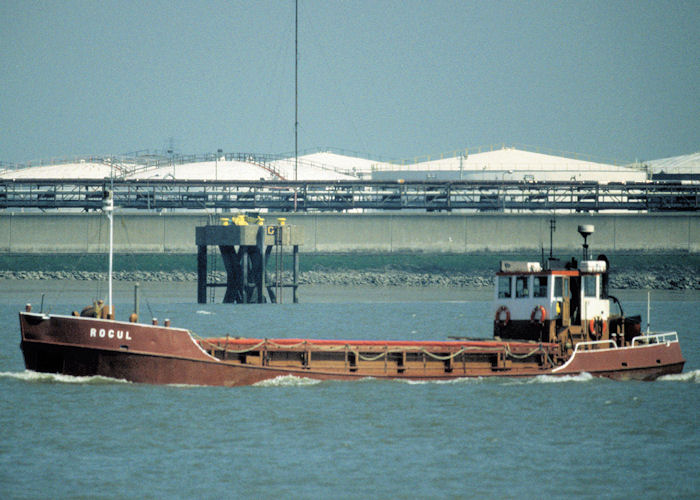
<point x="646" y="339"/>
<point x="655" y="338"/>
<point x="594" y="345"/>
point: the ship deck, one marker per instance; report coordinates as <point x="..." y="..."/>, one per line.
<point x="386" y="358"/>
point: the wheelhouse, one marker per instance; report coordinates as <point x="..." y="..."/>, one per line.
<point x="529" y="298"/>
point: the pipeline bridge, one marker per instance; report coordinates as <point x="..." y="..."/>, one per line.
<point x="319" y="196"/>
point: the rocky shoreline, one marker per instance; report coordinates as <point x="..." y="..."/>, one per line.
<point x="664" y="277"/>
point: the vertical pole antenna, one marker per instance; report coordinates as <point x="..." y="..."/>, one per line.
<point x="552" y="228"/>
<point x="648" y="311"/>
<point x="296" y="87"/>
<point x="108" y="208"/>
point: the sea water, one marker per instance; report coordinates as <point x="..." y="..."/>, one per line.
<point x="72" y="437"/>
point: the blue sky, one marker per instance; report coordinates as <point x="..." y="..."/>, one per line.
<point x="396" y="79"/>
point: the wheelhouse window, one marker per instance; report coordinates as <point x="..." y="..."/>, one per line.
<point x="521" y="288"/>
<point x="558" y="286"/>
<point x="539" y="288"/>
<point x="504" y="287"/>
<point x="589" y="285"/>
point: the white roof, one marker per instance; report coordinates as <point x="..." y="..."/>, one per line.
<point x="228" y="170"/>
<point x="512" y="164"/>
<point x="505" y="163"/>
<point x="77" y="170"/>
<point x="513" y="159"/>
<point x="685" y="164"/>
<point x="344" y="163"/>
<point x="325" y="166"/>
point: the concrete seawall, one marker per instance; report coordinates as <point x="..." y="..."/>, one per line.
<point x="375" y="233"/>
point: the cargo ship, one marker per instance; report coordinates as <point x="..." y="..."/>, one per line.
<point x="549" y="318"/>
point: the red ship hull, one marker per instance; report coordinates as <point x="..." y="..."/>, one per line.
<point x="163" y="355"/>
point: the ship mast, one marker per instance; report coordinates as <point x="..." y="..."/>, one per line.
<point x="108" y="208"/>
<point x="296" y="92"/>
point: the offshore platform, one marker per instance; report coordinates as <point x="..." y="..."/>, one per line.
<point x="247" y="244"/>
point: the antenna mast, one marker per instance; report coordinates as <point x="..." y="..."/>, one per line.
<point x="108" y="208"/>
<point x="552" y="228"/>
<point x="296" y="87"/>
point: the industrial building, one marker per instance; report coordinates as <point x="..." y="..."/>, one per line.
<point x="218" y="167"/>
<point x="503" y="179"/>
<point x="491" y="164"/>
<point x="511" y="164"/>
<point x="684" y="167"/>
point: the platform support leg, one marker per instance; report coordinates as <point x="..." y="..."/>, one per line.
<point x="233" y="286"/>
<point x="247" y="280"/>
<point x="260" y="271"/>
<point x="202" y="274"/>
<point x="295" y="277"/>
<point x="269" y="288"/>
<point x="245" y="262"/>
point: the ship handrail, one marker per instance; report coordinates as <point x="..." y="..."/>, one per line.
<point x="646" y="339"/>
<point x="593" y="343"/>
<point x="655" y="338"/>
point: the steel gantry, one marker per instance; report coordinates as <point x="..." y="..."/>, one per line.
<point x="282" y="195"/>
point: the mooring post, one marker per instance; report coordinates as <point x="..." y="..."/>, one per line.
<point x="202" y="274"/>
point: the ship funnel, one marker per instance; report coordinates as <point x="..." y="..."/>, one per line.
<point x="585" y="231"/>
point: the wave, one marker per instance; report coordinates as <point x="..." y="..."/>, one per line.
<point x="553" y="379"/>
<point x="51" y="378"/>
<point x="287" y="381"/>
<point x="556" y="379"/>
<point x="452" y="381"/>
<point x="693" y="377"/>
<point x="202" y="311"/>
<point x="186" y="386"/>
